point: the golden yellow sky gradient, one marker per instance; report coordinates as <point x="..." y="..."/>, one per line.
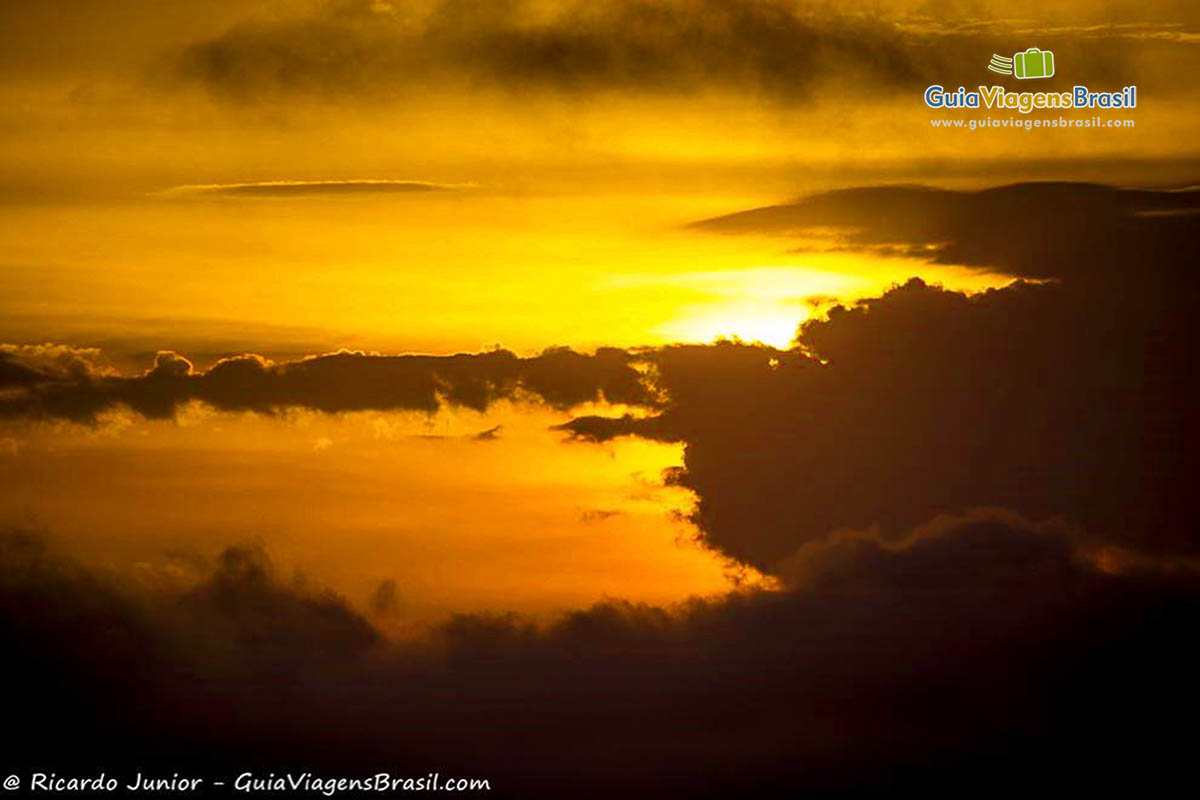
<point x="210" y="275"/>
<point x="516" y="521"/>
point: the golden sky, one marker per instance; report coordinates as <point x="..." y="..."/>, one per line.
<point x="598" y="394"/>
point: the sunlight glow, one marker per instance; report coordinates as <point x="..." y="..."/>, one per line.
<point x="771" y="323"/>
<point x="756" y="304"/>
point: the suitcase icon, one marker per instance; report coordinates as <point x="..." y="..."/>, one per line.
<point x="1033" y="63"/>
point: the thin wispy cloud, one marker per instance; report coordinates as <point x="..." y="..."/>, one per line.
<point x="297" y="188"/>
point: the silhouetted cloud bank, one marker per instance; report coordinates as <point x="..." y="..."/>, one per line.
<point x="1036" y="230"/>
<point x="974" y="641"/>
<point x="1068" y="397"/>
<point x="53" y="381"/>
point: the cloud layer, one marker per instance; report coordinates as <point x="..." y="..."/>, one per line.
<point x="37" y="382"/>
<point x="1036" y="230"/>
<point x="1066" y="397"/>
<point x="766" y="48"/>
<point x="912" y="663"/>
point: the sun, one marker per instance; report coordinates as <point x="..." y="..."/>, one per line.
<point x="772" y="323"/>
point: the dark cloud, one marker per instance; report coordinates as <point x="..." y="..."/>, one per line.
<point x="385" y="599"/>
<point x="774" y="48"/>
<point x="974" y="641"/>
<point x="1037" y="230"/>
<point x="596" y="515"/>
<point x="108" y="662"/>
<point x="337" y="382"/>
<point x="244" y="608"/>
<point x="491" y="434"/>
<point x="1068" y="398"/>
<point x="926" y="400"/>
<point x="22" y="366"/>
<point x="60" y="34"/>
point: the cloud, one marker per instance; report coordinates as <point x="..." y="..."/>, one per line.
<point x="384" y="599"/>
<point x="371" y="186"/>
<point x="72" y="388"/>
<point x="1037" y="230"/>
<point x="1068" y="397"/>
<point x="100" y="651"/>
<point x="973" y="639"/>
<point x="597" y="515"/>
<point x="244" y="607"/>
<point x="919" y="402"/>
<point x="766" y="48"/>
<point x="22" y="366"/>
<point x="489" y="435"/>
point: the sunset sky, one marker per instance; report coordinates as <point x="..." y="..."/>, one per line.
<point x="654" y="376"/>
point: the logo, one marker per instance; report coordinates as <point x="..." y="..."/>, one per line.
<point x="1032" y="63"/>
<point x="1024" y="65"/>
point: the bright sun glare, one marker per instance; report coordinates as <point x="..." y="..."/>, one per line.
<point x="771" y="323"/>
<point x="763" y="304"/>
